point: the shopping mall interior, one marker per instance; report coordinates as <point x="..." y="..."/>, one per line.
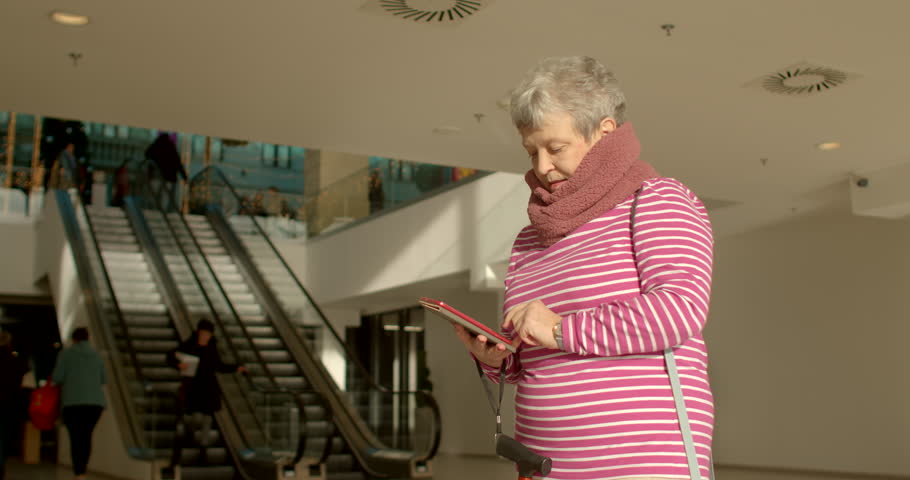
<point x="338" y="160"/>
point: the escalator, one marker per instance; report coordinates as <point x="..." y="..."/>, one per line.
<point x="390" y="433"/>
<point x="150" y="333"/>
<point x="137" y="318"/>
<point x="271" y="318"/>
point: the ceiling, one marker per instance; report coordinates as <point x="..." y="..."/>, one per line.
<point x="342" y="75"/>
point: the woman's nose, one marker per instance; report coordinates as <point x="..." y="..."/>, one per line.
<point x="543" y="164"/>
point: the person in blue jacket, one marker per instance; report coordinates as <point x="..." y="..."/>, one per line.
<point x="80" y="374"/>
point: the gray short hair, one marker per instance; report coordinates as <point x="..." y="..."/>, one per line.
<point x="580" y="86"/>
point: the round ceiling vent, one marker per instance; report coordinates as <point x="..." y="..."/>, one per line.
<point x="432" y="10"/>
<point x="804" y="80"/>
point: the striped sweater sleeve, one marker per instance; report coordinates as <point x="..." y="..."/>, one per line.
<point x="513" y="368"/>
<point x="673" y="245"/>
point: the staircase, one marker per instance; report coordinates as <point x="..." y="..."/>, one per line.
<point x="144" y="337"/>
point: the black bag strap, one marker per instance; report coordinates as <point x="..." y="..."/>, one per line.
<point x="496" y="405"/>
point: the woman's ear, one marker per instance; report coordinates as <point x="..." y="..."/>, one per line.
<point x="607" y="125"/>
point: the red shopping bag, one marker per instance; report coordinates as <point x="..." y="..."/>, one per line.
<point x="44" y="406"/>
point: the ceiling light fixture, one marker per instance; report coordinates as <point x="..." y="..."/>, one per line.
<point x="71" y="19"/>
<point x="828" y="146"/>
<point x="446" y="130"/>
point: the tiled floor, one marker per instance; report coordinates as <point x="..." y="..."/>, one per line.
<point x="449" y="468"/>
<point x="17" y="471"/>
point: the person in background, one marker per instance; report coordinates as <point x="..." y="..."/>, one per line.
<point x="274" y="204"/>
<point x="120" y="184"/>
<point x="376" y="194"/>
<point x="593" y="298"/>
<point x="61" y="167"/>
<point x="80" y="374"/>
<point x="164" y="182"/>
<point x="12" y="369"/>
<point x="256" y="205"/>
<point x="200" y="395"/>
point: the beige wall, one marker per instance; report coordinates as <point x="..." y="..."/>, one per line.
<point x="335" y="188"/>
<point x="807" y="336"/>
<point x="335" y="166"/>
<point x="468" y="423"/>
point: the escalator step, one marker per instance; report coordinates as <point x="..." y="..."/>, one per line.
<point x="268" y="343"/>
<point x="131" y="287"/>
<point x="213" y="472"/>
<point x="254" y="320"/>
<point x="156" y="404"/>
<point x="119" y="247"/>
<point x="161" y="374"/>
<point x="151" y="320"/>
<point x="253" y="331"/>
<point x="148" y="333"/>
<point x="216" y="455"/>
<point x="154" y="359"/>
<point x="149" y="345"/>
<point x="277" y="369"/>
<point x="340" y="463"/>
<point x="314" y="413"/>
<point x="163" y="421"/>
<point x="248" y="356"/>
<point x="134" y="307"/>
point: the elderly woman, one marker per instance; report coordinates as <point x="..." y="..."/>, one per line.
<point x="595" y="295"/>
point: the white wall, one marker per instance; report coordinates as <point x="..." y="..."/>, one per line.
<point x="464" y="229"/>
<point x="807" y="335"/>
<point x="18" y="263"/>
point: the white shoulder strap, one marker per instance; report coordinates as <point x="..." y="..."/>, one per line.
<point x="678" y="397"/>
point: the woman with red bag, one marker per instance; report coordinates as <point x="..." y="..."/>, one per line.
<point x="80" y="374"/>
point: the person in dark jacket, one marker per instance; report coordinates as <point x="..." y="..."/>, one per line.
<point x="12" y="369"/>
<point x="80" y="374"/>
<point x="165" y="155"/>
<point x="200" y="396"/>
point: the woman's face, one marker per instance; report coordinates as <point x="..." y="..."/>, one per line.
<point x="556" y="148"/>
<point x="205" y="337"/>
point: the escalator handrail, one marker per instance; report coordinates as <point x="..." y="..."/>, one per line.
<point x="216" y="316"/>
<point x="434" y="406"/>
<point x="86" y="274"/>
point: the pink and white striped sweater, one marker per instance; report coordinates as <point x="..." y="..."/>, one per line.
<point x="603" y="408"/>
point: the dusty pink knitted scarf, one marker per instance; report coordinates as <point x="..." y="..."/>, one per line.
<point x="610" y="173"/>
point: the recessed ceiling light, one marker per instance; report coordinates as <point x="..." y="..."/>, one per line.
<point x="828" y="146"/>
<point x="72" y="19"/>
<point x="446" y="130"/>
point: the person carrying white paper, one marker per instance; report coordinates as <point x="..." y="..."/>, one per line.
<point x="199" y="394"/>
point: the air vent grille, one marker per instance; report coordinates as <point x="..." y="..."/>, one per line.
<point x="447" y="11"/>
<point x="804" y="80"/>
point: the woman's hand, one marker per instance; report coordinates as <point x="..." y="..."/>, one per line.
<point x="492" y="355"/>
<point x="533" y="324"/>
<point x="182" y="366"/>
